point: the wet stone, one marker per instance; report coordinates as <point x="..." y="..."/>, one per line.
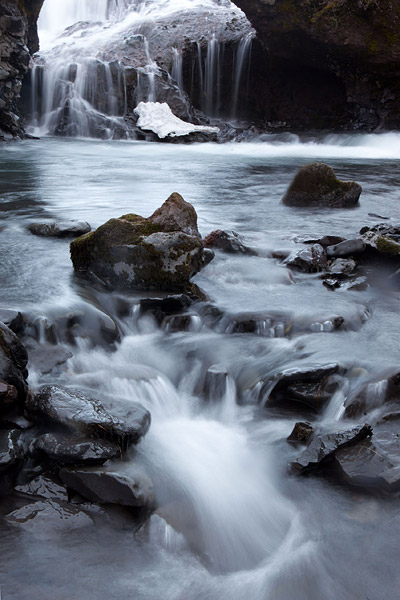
<point x="65" y="450"/>
<point x="301" y="433"/>
<point x="227" y="241"/>
<point x="42" y="518"/>
<point x="109" y="485"/>
<point x="43" y="487"/>
<point x="60" y="228"/>
<point x="13" y="319"/>
<point x="309" y="260"/>
<point x="346" y="248"/>
<point x="159" y="308"/>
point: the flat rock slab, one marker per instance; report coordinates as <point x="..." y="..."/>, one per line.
<point x="66" y="450"/>
<point x="124" y="485"/>
<point x="45" y="517"/>
<point x="324" y="447"/>
<point x="43" y="487"/>
<point x="60" y="228"/>
<point x="79" y="412"/>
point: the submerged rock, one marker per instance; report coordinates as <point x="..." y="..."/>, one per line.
<point x="87" y="415"/>
<point x="346" y="248"/>
<point x="159" y="252"/>
<point x="60" y="228"/>
<point x="108" y="485"/>
<point x="160" y="308"/>
<point x="316" y="185"/>
<point x="227" y="241"/>
<point x="46" y="516"/>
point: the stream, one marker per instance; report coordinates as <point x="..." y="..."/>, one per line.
<point x="231" y="522"/>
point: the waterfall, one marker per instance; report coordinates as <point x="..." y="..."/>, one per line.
<point x="79" y="79"/>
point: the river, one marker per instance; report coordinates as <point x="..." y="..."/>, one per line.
<point x="231" y="523"/>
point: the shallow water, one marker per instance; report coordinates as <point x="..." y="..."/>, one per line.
<point x="231" y="522"/>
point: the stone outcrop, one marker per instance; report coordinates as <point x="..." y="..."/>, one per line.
<point x="316" y="185"/>
<point x="18" y="37"/>
<point x="332" y="63"/>
<point x="160" y="252"/>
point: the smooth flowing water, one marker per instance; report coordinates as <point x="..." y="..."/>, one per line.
<point x="231" y="522"/>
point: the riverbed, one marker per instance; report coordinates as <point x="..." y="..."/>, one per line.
<point x="231" y="523"/>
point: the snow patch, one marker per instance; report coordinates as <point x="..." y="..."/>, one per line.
<point x="158" y="117"/>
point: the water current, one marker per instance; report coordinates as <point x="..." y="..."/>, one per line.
<point x="231" y="522"/>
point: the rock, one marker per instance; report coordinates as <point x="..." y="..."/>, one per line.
<point x="159" y="308"/>
<point x="66" y="450"/>
<point x="301" y="433"/>
<point x="227" y="241"/>
<point x="322" y="448"/>
<point x="325" y="241"/>
<point x="87" y="415"/>
<point x="311" y="386"/>
<point x="183" y="322"/>
<point x="43" y="487"/>
<point x="317" y="185"/>
<point x="60" y="228"/>
<point x="342" y="267"/>
<point x="13" y="361"/>
<point x="346" y="248"/>
<point x="373" y="395"/>
<point x="11" y="450"/>
<point x="160" y="252"/>
<point x="382" y="241"/>
<point x="308" y="260"/>
<point x="13" y="319"/>
<point x="107" y="485"/>
<point x="372" y="463"/>
<point x="8" y="396"/>
<point x="45" y="517"/>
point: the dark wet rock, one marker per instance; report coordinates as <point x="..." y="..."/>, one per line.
<point x="66" y="450"/>
<point x="107" y="485"/>
<point x="322" y="448"/>
<point x="309" y="260"/>
<point x="372" y="395"/>
<point x="43" y="487"/>
<point x="325" y="241"/>
<point x="317" y="185"/>
<point x="13" y="319"/>
<point x="11" y="450"/>
<point x="382" y="241"/>
<point x="311" y="386"/>
<point x="159" y="308"/>
<point x="60" y="228"/>
<point x="13" y="361"/>
<point x="44" y="517"/>
<point x="215" y="383"/>
<point x="8" y="396"/>
<point x="372" y="463"/>
<point x="346" y="248"/>
<point x="183" y="322"/>
<point x="87" y="415"/>
<point x="227" y="241"/>
<point x="342" y="267"/>
<point x="301" y="433"/>
<point x="160" y="252"/>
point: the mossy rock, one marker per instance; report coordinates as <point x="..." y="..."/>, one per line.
<point x="132" y="252"/>
<point x="316" y="185"/>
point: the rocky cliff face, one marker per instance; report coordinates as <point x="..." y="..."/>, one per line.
<point x="18" y="37"/>
<point x="331" y="63"/>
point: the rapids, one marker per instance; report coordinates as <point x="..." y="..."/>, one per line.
<point x="231" y="523"/>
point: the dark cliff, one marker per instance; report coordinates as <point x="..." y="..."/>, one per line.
<point x="330" y="63"/>
<point x="18" y="38"/>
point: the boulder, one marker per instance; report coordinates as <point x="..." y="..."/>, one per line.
<point x="308" y="260"/>
<point x="67" y="450"/>
<point x="80" y="413"/>
<point x="128" y="486"/>
<point x="227" y="241"/>
<point x="159" y="252"/>
<point x="316" y="185"/>
<point x="322" y="448"/>
<point x="345" y="248"/>
<point x="382" y="241"/>
<point x="301" y="433"/>
<point x="13" y="361"/>
<point x="60" y="228"/>
<point x="311" y="386"/>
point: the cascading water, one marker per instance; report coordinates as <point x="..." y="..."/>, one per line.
<point x="112" y="56"/>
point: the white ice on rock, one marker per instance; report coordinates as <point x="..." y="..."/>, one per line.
<point x="159" y="118"/>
